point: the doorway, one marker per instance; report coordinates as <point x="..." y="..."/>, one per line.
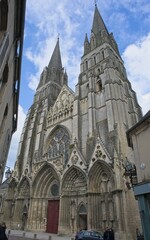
<point x="82" y="218"/>
<point x="52" y="216"/>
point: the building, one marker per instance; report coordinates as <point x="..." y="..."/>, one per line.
<point x="139" y="140"/>
<point x="12" y="14"/>
<point x="69" y="172"/>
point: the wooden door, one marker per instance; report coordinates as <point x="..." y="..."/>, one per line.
<point x="52" y="216"/>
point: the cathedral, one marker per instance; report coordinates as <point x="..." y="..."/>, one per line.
<point x="70" y="168"/>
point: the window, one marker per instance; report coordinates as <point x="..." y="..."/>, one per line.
<point x="86" y="64"/>
<point x="103" y="56"/>
<point x="4" y="119"/>
<point x="94" y="60"/>
<point x="59" y="145"/>
<point x="55" y="190"/>
<point x="3" y="15"/>
<point x="99" y="85"/>
<point x="4" y="78"/>
<point x="6" y="111"/>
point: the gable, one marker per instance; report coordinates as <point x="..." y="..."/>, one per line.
<point x="62" y="108"/>
<point x="100" y="153"/>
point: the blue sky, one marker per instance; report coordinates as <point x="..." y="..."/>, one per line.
<point x="129" y="20"/>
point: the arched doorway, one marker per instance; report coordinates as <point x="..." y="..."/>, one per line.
<point x="82" y="217"/>
<point x="46" y="199"/>
<point x="53" y="209"/>
<point x="73" y="200"/>
<point x="101" y="211"/>
<point x="24" y="217"/>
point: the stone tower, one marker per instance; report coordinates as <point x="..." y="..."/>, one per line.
<point x="69" y="173"/>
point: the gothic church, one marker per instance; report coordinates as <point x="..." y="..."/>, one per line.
<point x="69" y="173"/>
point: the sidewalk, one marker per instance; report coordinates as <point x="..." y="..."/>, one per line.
<point x="18" y="234"/>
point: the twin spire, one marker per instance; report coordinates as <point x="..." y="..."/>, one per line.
<point x="99" y="34"/>
<point x="98" y="25"/>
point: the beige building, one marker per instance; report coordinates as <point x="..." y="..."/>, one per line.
<point x="139" y="140"/>
<point x="69" y="172"/>
<point x="12" y="15"/>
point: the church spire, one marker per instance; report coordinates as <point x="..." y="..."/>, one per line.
<point x="55" y="61"/>
<point x="98" y="23"/>
<point x="99" y="34"/>
<point x="54" y="71"/>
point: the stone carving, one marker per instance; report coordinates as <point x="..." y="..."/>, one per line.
<point x="36" y="157"/>
<point x="62" y="108"/>
<point x="24" y="189"/>
<point x="74" y="159"/>
<point x="58" y="164"/>
<point x="111" y="211"/>
<point x="104" y="177"/>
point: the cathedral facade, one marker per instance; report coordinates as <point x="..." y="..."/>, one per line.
<point x="70" y="169"/>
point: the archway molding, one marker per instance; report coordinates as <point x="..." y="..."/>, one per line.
<point x="74" y="181"/>
<point x="44" y="179"/>
<point x="101" y="177"/>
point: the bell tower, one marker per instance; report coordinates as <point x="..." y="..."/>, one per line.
<point x="104" y="94"/>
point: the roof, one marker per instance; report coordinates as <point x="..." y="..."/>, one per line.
<point x="143" y="121"/>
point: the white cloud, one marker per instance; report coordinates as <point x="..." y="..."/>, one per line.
<point x="134" y="6"/>
<point x="137" y="61"/>
<point x="16" y="138"/>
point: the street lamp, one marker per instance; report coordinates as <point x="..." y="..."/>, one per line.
<point x="130" y="170"/>
<point x="7" y="173"/>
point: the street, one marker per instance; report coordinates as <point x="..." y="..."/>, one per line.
<point x="23" y="235"/>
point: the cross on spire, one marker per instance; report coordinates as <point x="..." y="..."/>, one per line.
<point x="95" y="2"/>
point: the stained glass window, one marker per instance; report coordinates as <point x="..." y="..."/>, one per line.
<point x="59" y="145"/>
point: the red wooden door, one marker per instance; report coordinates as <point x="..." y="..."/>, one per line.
<point x="52" y="216"/>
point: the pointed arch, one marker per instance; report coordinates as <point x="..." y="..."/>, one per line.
<point x="24" y="188"/>
<point x="82" y="216"/>
<point x="82" y="208"/>
<point x="46" y="182"/>
<point x="75" y="181"/>
<point x="101" y="178"/>
<point x="59" y="126"/>
<point x="58" y="142"/>
<point x="73" y="191"/>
